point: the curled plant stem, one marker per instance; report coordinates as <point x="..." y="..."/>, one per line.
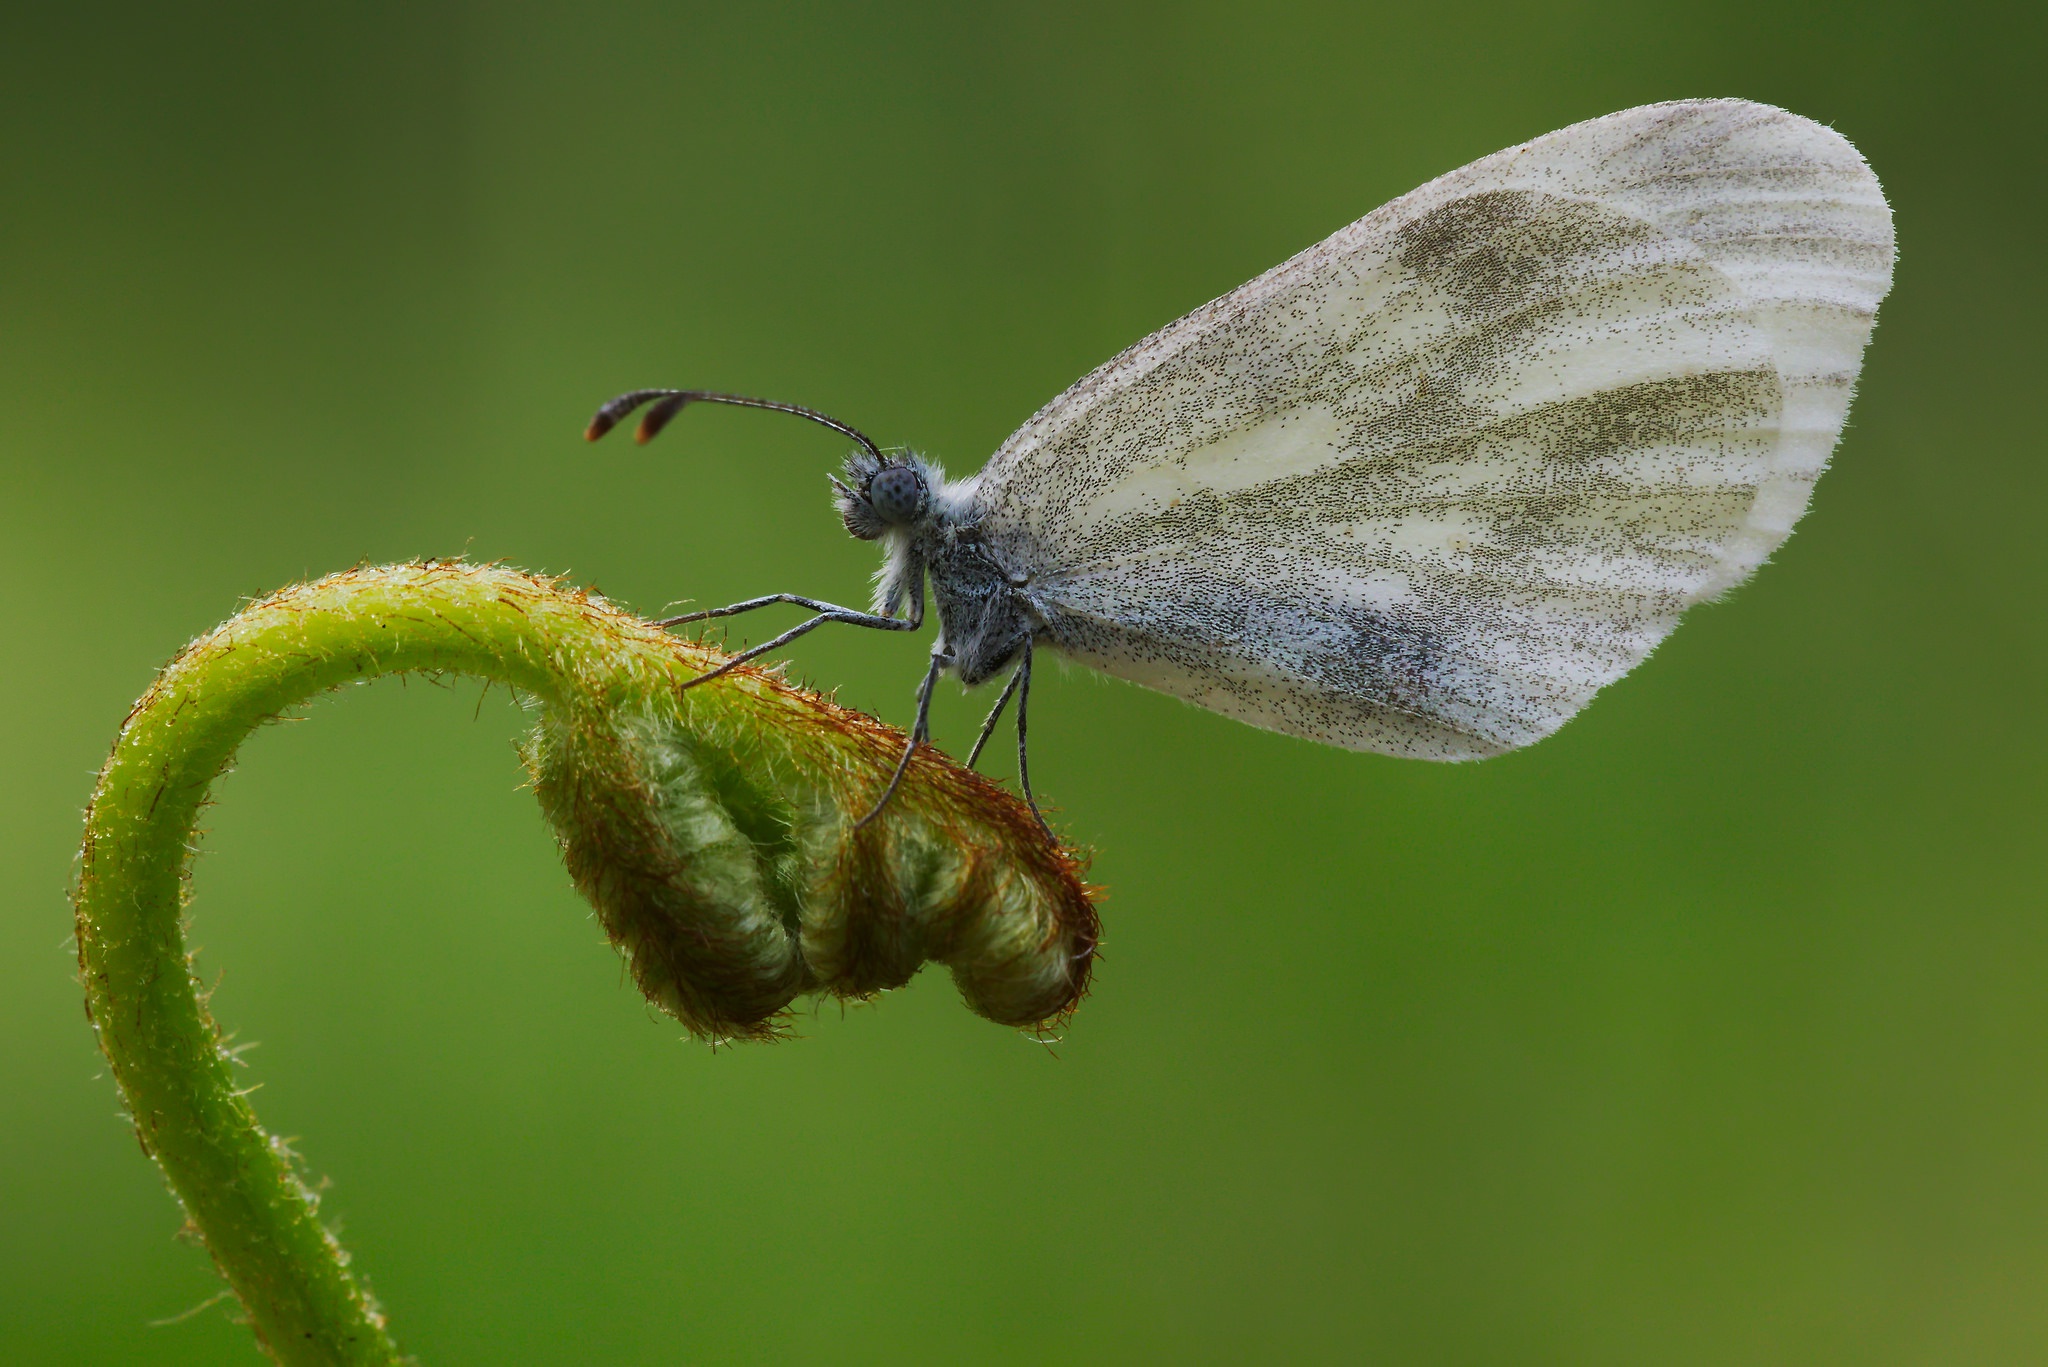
<point x="712" y="829"/>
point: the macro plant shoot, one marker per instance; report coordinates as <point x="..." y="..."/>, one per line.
<point x="1423" y="489"/>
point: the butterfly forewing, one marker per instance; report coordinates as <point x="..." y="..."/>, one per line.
<point x="1429" y="485"/>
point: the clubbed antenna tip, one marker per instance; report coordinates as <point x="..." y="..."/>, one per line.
<point x="672" y="402"/>
<point x="659" y="416"/>
<point x="607" y="417"/>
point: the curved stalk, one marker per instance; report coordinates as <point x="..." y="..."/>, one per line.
<point x="713" y="829"/>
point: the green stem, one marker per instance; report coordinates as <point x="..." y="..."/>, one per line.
<point x="713" y="830"/>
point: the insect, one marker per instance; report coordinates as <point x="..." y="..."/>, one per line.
<point x="1428" y="486"/>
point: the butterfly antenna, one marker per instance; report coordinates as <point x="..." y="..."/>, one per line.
<point x="669" y="402"/>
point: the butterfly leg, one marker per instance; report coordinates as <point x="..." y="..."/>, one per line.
<point x="748" y="605"/>
<point x="919" y="732"/>
<point x="827" y="612"/>
<point x="995" y="714"/>
<point x="1022" y="681"/>
<point x="862" y="619"/>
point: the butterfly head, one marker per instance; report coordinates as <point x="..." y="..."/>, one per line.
<point x="883" y="494"/>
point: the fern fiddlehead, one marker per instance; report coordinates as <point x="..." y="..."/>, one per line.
<point x="713" y="830"/>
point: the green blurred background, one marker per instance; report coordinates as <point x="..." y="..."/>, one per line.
<point x="1710" y="1031"/>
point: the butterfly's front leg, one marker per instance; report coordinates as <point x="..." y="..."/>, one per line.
<point x="827" y="612"/>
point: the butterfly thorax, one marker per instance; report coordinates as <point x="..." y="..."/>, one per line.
<point x="985" y="617"/>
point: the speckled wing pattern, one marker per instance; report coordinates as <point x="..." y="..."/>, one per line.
<point x="1428" y="486"/>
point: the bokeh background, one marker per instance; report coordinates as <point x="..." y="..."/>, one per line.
<point x="1711" y="1031"/>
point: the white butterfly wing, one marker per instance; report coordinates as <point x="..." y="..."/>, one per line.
<point x="1428" y="486"/>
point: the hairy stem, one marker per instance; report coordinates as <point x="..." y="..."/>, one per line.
<point x="712" y="829"/>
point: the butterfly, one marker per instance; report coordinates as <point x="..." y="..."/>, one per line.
<point x="1430" y="485"/>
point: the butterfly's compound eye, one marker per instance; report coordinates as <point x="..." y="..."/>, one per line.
<point x="897" y="494"/>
